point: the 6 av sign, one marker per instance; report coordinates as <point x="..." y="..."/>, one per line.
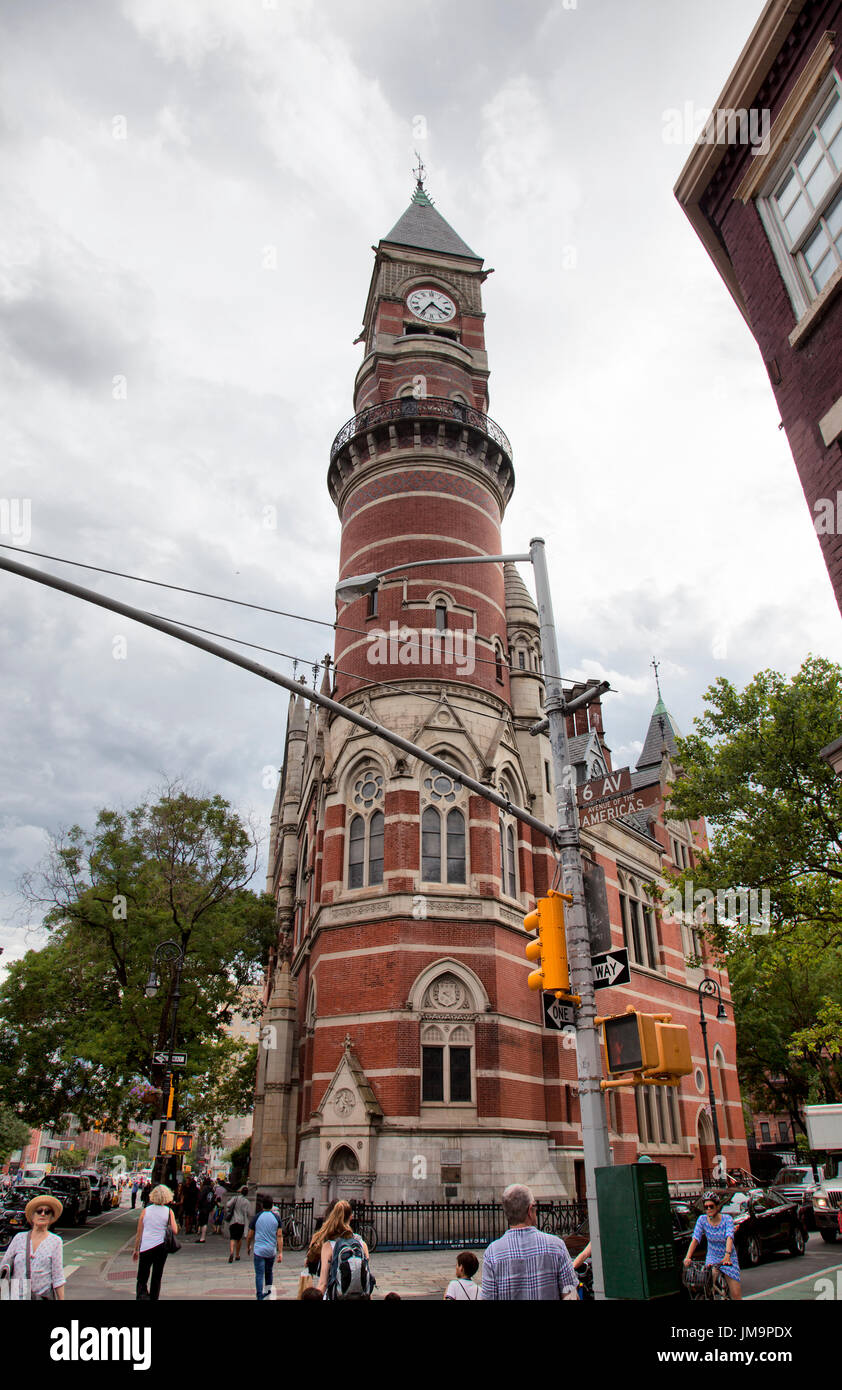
<point x="169" y="1059"/>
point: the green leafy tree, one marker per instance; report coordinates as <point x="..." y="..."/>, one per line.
<point x="14" y="1133"/>
<point x="752" y="765"/>
<point x="77" y="1031"/>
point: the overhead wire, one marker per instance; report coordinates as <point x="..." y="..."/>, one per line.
<point x="240" y="603"/>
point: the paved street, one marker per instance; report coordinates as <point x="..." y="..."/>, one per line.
<point x="99" y="1266"/>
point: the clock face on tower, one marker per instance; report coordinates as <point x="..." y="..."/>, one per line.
<point x="431" y="305"/>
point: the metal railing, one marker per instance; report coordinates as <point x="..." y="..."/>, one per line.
<point x="425" y="407"/>
<point x="455" y="1225"/>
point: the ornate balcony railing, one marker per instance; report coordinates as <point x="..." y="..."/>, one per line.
<point x="424" y="408"/>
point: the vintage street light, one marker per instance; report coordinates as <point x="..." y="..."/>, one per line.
<point x="709" y="986"/>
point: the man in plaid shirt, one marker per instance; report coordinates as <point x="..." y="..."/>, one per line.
<point x="526" y="1263"/>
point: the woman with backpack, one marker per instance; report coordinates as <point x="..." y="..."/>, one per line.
<point x="343" y="1263"/>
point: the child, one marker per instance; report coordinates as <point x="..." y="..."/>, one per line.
<point x="463" y="1285"/>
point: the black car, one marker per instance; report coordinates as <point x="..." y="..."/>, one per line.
<point x="74" y="1192"/>
<point x="12" y="1207"/>
<point x="764" y="1222"/>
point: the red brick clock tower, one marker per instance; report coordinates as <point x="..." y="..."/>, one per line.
<point x="417" y="1061"/>
<point x="404" y="1057"/>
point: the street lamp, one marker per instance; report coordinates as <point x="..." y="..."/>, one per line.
<point x="709" y="986"/>
<point x="565" y="838"/>
<point x="172" y="954"/>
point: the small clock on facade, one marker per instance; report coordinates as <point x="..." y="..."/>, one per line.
<point x="431" y="305"/>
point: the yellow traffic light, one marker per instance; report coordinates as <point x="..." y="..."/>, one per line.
<point x="549" y="949"/>
<point x="650" y="1046"/>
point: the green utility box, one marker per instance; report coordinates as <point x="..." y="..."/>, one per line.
<point x="635" y="1229"/>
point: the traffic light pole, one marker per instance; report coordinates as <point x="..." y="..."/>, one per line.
<point x="597" y="1151"/>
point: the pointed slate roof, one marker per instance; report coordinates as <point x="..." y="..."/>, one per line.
<point x="662" y="733"/>
<point x="425" y="228"/>
<point x="517" y="594"/>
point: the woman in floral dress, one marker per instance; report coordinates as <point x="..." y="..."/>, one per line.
<point x="717" y="1229"/>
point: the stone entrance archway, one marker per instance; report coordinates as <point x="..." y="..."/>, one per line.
<point x="343" y="1175"/>
<point x="707" y="1145"/>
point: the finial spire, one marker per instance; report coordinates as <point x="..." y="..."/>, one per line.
<point x="656" y="665"/>
<point x="421" y="195"/>
<point x="419" y="171"/>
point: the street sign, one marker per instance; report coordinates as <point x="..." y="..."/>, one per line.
<point x="169" y="1059"/>
<point x="611" y="968"/>
<point x="626" y="805"/>
<point x="556" y="1014"/>
<point x="616" y="783"/>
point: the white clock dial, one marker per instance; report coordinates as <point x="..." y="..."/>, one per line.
<point x="431" y="305"/>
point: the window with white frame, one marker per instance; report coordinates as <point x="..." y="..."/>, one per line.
<point x="802" y="208"/>
<point x="658" y="1119"/>
<point x="640" y="924"/>
<point x="366" y="832"/>
<point x="508" y="858"/>
<point x="443" y="832"/>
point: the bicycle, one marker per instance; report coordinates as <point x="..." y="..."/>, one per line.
<point x="294" y="1232"/>
<point x="705" y="1282"/>
<point x="367" y="1232"/>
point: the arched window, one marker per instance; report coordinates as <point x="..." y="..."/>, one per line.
<point x="498" y="663"/>
<point x="455" y="847"/>
<point x="376" y="830"/>
<point x="366" y="832"/>
<point x="443" y="831"/>
<point x="640" y="925"/>
<point x="300" y="891"/>
<point x="719" y="1060"/>
<point x="446" y="1047"/>
<point x="356" y="852"/>
<point x="508" y="859"/>
<point x="441" y="615"/>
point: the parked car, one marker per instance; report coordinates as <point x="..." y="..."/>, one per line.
<point x="12" y="1207"/>
<point x="683" y="1220"/>
<point x="797" y="1184"/>
<point x="102" y="1189"/>
<point x="74" y="1192"/>
<point x="764" y="1222"/>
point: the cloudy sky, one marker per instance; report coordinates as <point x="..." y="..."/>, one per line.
<point x="192" y="190"/>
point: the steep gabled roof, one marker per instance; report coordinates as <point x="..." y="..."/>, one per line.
<point x="425" y="228"/>
<point x="661" y="734"/>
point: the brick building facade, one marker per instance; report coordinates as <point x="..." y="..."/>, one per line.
<point x="769" y="213"/>
<point x="404" y="1057"/>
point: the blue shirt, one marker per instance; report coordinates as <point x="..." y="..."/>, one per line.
<point x="265" y="1227"/>
<point x="528" y="1264"/>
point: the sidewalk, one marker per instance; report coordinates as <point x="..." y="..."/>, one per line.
<point x="202" y="1271"/>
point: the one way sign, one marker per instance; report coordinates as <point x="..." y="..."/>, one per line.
<point x="611" y="968"/>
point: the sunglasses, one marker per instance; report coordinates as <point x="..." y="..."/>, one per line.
<point x="712" y="1205"/>
<point x="43" y="1211"/>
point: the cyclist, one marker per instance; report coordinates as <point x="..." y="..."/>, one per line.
<point x="717" y="1229"/>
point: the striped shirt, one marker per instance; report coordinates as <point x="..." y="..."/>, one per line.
<point x="528" y="1264"/>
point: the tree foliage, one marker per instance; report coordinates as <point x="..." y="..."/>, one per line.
<point x="752" y="766"/>
<point x="14" y="1133"/>
<point x="77" y="1031"/>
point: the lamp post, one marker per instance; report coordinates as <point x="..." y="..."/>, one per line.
<point x="171" y="953"/>
<point x="709" y="986"/>
<point x="595" y="1146"/>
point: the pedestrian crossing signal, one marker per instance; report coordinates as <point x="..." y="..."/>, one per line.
<point x="650" y="1046"/>
<point x="176" y="1141"/>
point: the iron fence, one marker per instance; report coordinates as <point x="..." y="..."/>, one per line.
<point x="454" y="1225"/>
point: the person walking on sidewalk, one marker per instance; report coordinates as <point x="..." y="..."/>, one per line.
<point x="239" y="1216"/>
<point x="150" y="1250"/>
<point x="191" y="1198"/>
<point x="526" y="1263"/>
<point x="204" y="1207"/>
<point x="135" y="1190"/>
<point x="266" y="1234"/>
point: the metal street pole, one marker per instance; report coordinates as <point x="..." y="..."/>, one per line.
<point x="709" y="986"/>
<point x="595" y="1146"/>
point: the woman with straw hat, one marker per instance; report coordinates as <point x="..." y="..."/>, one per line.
<point x="37" y="1254"/>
